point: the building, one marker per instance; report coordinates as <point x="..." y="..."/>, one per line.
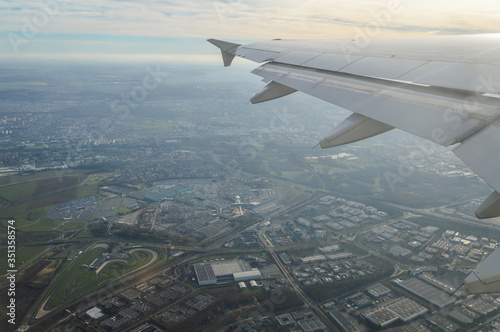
<point x="312" y="325"/>
<point x="381" y="317"/>
<point x="94" y="313"/>
<point x="247" y="275"/>
<point x="159" y="193"/>
<point x="285" y="319"/>
<point x="209" y="273"/>
<point x="378" y="291"/>
<point x="286" y="258"/>
<point x="344" y="323"/>
<point x="406" y="309"/>
<point x="205" y="274"/>
<point x="320" y="234"/>
<point x="426" y="292"/>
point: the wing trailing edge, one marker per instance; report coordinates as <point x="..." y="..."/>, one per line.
<point x="486" y="277"/>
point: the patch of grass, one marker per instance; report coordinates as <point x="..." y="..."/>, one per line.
<point x="96" y="178"/>
<point x="112" y="270"/>
<point x="19" y="213"/>
<point x="138" y="259"/>
<point x="253" y="291"/>
<point x="18" y="192"/>
<point x="60" y="290"/>
<point x="84" y="278"/>
<point x="87" y="234"/>
<point x="123" y="210"/>
<point x="87" y="190"/>
<point x="76" y="279"/>
<point x="72" y="226"/>
<point x="23" y="254"/>
<point x="42" y="225"/>
<point x="56" y="198"/>
<point x="55" y="184"/>
<point x="36" y="214"/>
<point x="53" y="175"/>
<point x="22" y="215"/>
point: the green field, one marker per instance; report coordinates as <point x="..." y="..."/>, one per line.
<point x="77" y="279"/>
<point x="18" y="192"/>
<point x="23" y="254"/>
<point x="22" y="215"/>
<point x="72" y="226"/>
<point x="87" y="190"/>
<point x="60" y="290"/>
<point x="123" y="210"/>
<point x="34" y="195"/>
<point x="19" y="213"/>
<point x="41" y="225"/>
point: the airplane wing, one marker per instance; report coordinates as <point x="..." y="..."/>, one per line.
<point x="444" y="89"/>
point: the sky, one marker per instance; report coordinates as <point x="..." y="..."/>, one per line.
<point x="107" y="27"/>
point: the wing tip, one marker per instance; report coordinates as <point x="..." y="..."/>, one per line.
<point x="228" y="50"/>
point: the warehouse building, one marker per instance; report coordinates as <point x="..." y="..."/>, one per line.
<point x="379" y="291"/>
<point x="212" y="272"/>
<point x="406" y="309"/>
<point x="381" y="317"/>
<point x="426" y="292"/>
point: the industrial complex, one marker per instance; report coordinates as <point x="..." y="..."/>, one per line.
<point x="212" y="272"/>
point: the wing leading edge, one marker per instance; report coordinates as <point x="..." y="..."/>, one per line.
<point x="445" y="89"/>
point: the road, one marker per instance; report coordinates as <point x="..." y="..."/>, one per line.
<point x="307" y="300"/>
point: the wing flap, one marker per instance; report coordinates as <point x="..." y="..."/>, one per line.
<point x="355" y="128"/>
<point x="481" y="152"/>
<point x="490" y="207"/>
<point x="272" y="91"/>
<point x="435" y="115"/>
<point x="486" y="277"/>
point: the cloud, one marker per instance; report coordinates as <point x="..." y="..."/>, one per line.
<point x="258" y="19"/>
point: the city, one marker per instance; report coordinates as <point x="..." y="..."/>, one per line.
<point x="166" y="219"/>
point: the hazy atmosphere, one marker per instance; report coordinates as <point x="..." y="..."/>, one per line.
<point x="140" y="190"/>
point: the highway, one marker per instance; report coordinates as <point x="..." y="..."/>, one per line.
<point x="307" y="300"/>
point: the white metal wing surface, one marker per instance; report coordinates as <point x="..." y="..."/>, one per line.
<point x="444" y="89"/>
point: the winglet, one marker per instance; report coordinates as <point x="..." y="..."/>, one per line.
<point x="227" y="49"/>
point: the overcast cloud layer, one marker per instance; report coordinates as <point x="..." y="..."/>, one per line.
<point x="108" y="26"/>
